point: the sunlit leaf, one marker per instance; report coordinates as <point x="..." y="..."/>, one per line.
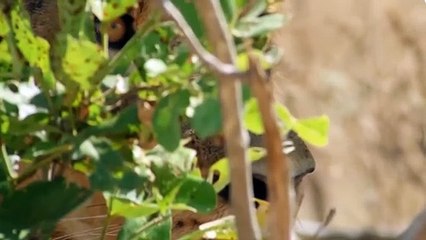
<point x="129" y="209"/>
<point x="4" y="27"/>
<point x="38" y="54"/>
<point x="82" y="59"/>
<point x="220" y="169"/>
<point x="313" y="130"/>
<point x="252" y="118"/>
<point x="285" y="117"/>
<point x="243" y="60"/>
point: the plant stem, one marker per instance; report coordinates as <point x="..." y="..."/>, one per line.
<point x="7" y="163"/>
<point x="107" y="219"/>
<point x="277" y="163"/>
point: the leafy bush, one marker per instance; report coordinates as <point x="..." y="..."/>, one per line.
<point x="118" y="120"/>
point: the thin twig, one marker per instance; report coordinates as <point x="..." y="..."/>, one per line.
<point x="214" y="63"/>
<point x="232" y="107"/>
<point x="107" y="219"/>
<point x="277" y="163"/>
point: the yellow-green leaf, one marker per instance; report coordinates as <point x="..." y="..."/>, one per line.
<point x="243" y="60"/>
<point x="38" y="54"/>
<point x="128" y="209"/>
<point x="221" y="167"/>
<point x="252" y="119"/>
<point x="313" y="130"/>
<point x="285" y="116"/>
<point x="82" y="59"/>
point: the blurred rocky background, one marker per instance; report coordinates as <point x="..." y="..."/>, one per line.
<point x="363" y="63"/>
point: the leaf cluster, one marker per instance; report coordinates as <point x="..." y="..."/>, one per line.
<point x="118" y="120"/>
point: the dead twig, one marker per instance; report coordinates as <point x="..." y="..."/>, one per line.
<point x="215" y="64"/>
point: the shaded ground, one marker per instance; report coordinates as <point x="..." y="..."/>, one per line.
<point x="363" y="64"/>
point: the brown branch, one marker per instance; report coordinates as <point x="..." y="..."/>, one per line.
<point x="232" y="107"/>
<point x="277" y="163"/>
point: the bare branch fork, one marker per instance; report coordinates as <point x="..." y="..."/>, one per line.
<point x="209" y="59"/>
<point x="236" y="137"/>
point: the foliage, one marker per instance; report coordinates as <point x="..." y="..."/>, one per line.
<point x="117" y="120"/>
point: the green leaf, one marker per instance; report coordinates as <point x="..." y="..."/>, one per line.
<point x="197" y="193"/>
<point x="256" y="153"/>
<point x="38" y="54"/>
<point x="129" y="209"/>
<point x="142" y="229"/>
<point x="166" y="122"/>
<point x="160" y="230"/>
<point x="253" y="27"/>
<point x="243" y="60"/>
<point x="241" y="3"/>
<point x="121" y="123"/>
<point x="131" y="228"/>
<point x="108" y="161"/>
<point x="40" y="203"/>
<point x="102" y="179"/>
<point x="313" y="130"/>
<point x="166" y="181"/>
<point x="207" y="119"/>
<point x="31" y="124"/>
<point x="4" y="27"/>
<point x="132" y="180"/>
<point x="285" y="116"/>
<point x="5" y="56"/>
<point x="82" y="59"/>
<point x="252" y="118"/>
<point x="108" y="10"/>
<point x="178" y="162"/>
<point x="221" y="168"/>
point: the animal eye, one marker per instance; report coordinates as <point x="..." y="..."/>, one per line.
<point x="116" y="30"/>
<point x="119" y="31"/>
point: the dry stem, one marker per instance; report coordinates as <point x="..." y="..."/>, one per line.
<point x="235" y="135"/>
<point x="277" y="164"/>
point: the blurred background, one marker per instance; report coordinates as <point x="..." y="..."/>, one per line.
<point x="363" y="63"/>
